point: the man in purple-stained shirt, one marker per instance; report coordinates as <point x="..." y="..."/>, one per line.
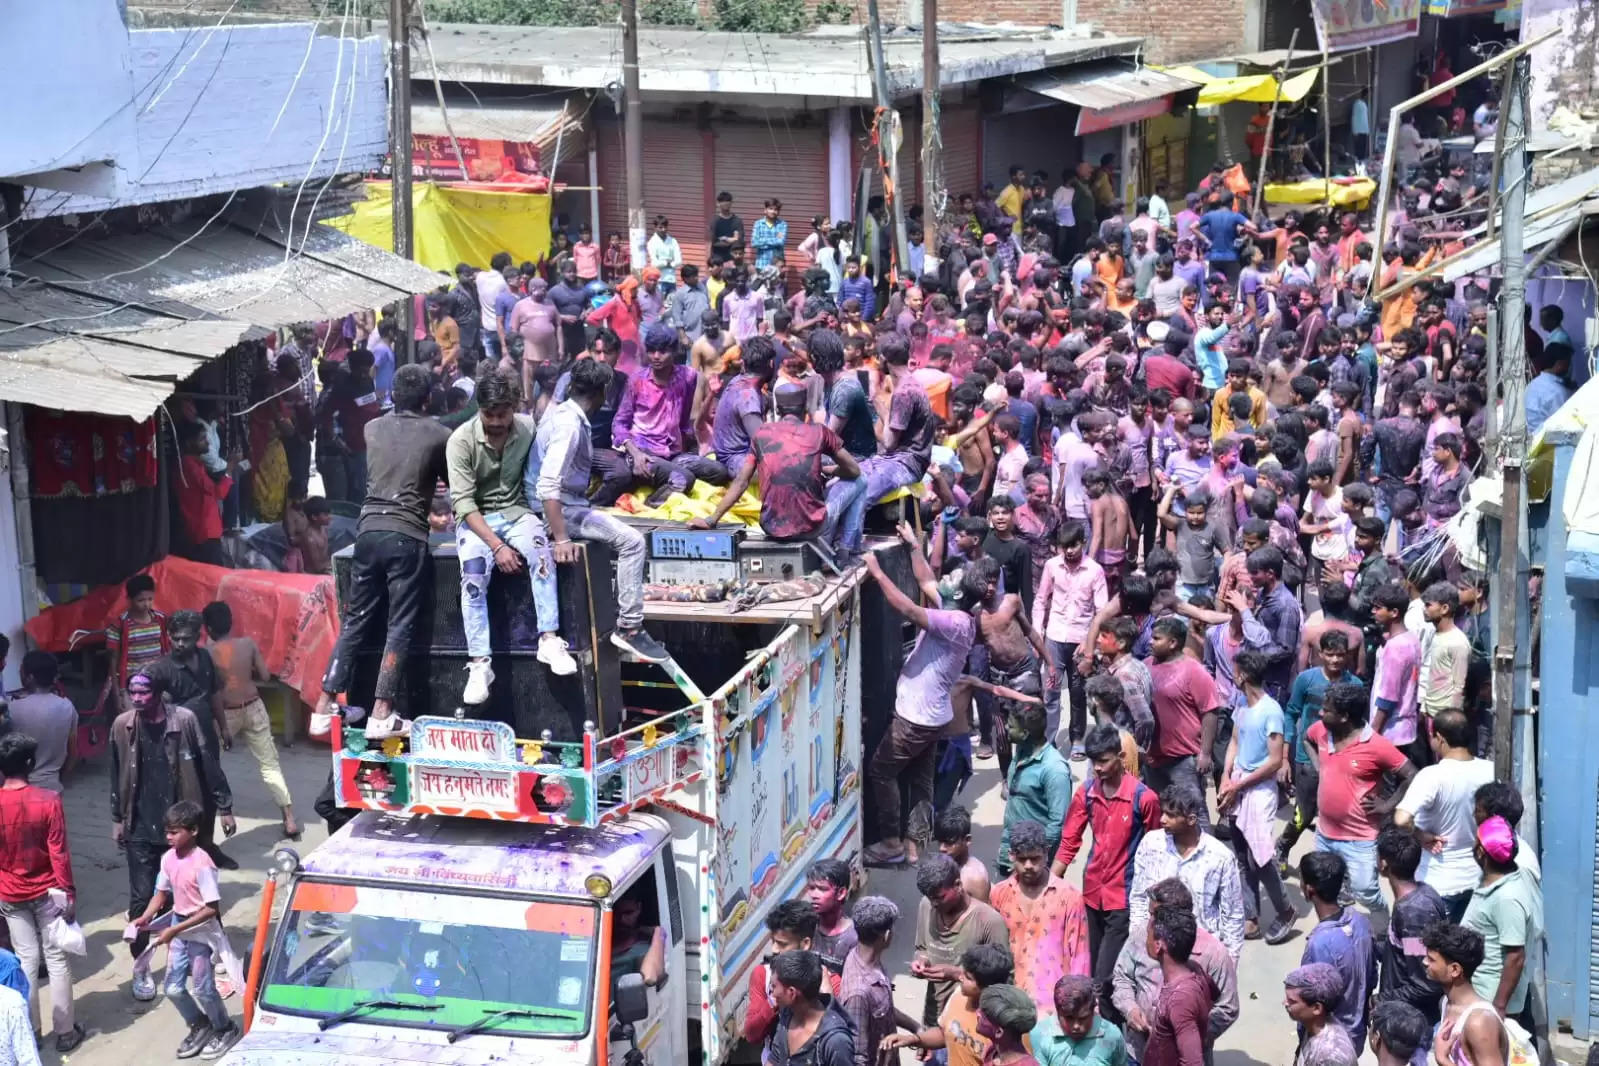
<point x="651" y="298"/>
<point x="741" y="309"/>
<point x="654" y="427"/>
<point x="906" y="436"/>
<point x="741" y="409"/>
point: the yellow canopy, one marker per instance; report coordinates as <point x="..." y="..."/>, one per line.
<point x="1353" y="193"/>
<point x="1252" y="88"/>
<point x="455" y="224"/>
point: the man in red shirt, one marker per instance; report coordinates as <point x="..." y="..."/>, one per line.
<point x="35" y="863"/>
<point x="1163" y="369"/>
<point x="1116" y="807"/>
<point x="1185" y="713"/>
<point x="1182" y="1013"/>
<point x="200" y="498"/>
<point x="1351" y="759"/>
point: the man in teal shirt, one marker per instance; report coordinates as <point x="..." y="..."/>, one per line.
<point x="1207" y="347"/>
<point x="1040" y="782"/>
<point x="1076" y="1035"/>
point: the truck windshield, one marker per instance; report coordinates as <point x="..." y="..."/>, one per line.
<point x="342" y="944"/>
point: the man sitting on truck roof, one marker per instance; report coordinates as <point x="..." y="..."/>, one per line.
<point x="487" y="463"/>
<point x="557" y="486"/>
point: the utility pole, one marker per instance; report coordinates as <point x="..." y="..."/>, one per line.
<point x="1271" y="124"/>
<point x="632" y="134"/>
<point x="887" y="125"/>
<point x="1512" y="365"/>
<point x="400" y="154"/>
<point x="934" y="198"/>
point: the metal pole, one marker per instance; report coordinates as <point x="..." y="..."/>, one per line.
<point x="933" y="195"/>
<point x="1271" y="125"/>
<point x="1497" y="167"/>
<point x="1326" y="134"/>
<point x="1513" y="429"/>
<point x="887" y="157"/>
<point x="633" y="133"/>
<point x="1385" y="186"/>
<point x="400" y="208"/>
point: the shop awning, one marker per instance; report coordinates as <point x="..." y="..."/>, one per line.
<point x="547" y="122"/>
<point x="1109" y="95"/>
<point x="113" y="325"/>
<point x="1250" y="88"/>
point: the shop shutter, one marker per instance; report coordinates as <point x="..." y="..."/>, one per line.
<point x="960" y="126"/>
<point x="788" y="160"/>
<point x="674" y="182"/>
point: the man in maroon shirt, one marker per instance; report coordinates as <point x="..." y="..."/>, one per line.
<point x="1185" y="713"/>
<point x="33" y="863"/>
<point x="1117" y="808"/>
<point x="1164" y="370"/>
<point x="1182" y="1014"/>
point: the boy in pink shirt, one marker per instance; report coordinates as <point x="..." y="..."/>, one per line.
<point x="586" y="255"/>
<point x="188" y="879"/>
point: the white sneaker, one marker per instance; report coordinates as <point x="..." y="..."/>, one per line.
<point x="479" y="676"/>
<point x="553" y="653"/>
<point x="394" y="725"/>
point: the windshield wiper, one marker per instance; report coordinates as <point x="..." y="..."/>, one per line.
<point x="498" y="1016"/>
<point x="373" y="1004"/>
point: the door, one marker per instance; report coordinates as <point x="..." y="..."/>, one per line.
<point x="674" y="183"/>
<point x="778" y="158"/>
<point x="662" y="1037"/>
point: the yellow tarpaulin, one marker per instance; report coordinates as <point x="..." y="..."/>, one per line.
<point x="1347" y="193"/>
<point x="1252" y="88"/>
<point x="456" y="224"/>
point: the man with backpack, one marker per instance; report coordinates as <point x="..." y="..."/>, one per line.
<point x="1117" y="808"/>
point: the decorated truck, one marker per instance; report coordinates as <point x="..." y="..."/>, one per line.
<point x="496" y="896"/>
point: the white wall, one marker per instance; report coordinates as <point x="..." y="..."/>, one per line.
<point x="1562" y="68"/>
<point x="223" y="108"/>
<point x="66" y="76"/>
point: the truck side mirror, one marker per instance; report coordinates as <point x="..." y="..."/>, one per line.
<point x="629" y="1001"/>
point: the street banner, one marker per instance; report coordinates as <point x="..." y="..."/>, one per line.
<point x="1343" y="24"/>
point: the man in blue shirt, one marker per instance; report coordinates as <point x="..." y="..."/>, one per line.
<point x="1207" y="347"/>
<point x="1220" y="227"/>
<point x="1548" y="391"/>
<point x="1551" y="318"/>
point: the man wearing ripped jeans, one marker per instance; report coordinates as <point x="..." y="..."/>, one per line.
<point x="486" y="460"/>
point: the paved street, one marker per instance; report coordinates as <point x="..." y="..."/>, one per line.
<point x="121" y="1030"/>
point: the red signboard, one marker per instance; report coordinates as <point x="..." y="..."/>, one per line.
<point x="434" y="159"/>
<point x="1094" y="120"/>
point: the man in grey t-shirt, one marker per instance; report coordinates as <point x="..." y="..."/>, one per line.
<point x="51" y="720"/>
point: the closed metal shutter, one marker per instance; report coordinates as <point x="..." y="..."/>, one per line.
<point x="674" y="183"/>
<point x="960" y="125"/>
<point x="756" y="160"/>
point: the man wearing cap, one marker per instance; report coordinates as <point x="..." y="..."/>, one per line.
<point x="651" y="297"/>
<point x="787" y="457"/>
<point x="654" y="427"/>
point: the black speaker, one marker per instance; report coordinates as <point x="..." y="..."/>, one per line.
<point x="525" y="694"/>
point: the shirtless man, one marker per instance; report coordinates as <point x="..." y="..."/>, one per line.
<point x="239" y="666"/>
<point x="1330" y="617"/>
<point x="705" y="359"/>
<point x="953" y="831"/>
<point x="1280" y="373"/>
<point x="970" y="439"/>
<point x="1015" y="648"/>
<point x="1111" y="527"/>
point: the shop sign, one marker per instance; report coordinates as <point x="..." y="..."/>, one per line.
<point x="1096" y="120"/>
<point x="1345" y="24"/>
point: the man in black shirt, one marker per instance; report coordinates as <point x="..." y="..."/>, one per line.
<point x="189" y="678"/>
<point x="727" y="230"/>
<point x="1416" y="906"/>
<point x="463" y="307"/>
<point x="390" y="571"/>
<point x="1012" y="553"/>
<point x="570" y="303"/>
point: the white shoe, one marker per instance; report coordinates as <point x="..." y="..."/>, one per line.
<point x="553" y="653"/>
<point x="479" y="676"/>
<point x="394" y="725"/>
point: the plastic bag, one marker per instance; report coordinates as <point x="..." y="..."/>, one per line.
<point x="68" y="936"/>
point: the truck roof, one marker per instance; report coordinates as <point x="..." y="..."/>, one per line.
<point x="476" y="853"/>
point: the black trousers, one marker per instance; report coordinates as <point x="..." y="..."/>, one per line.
<point x="328" y="809"/>
<point x="388" y="582"/>
<point x="1107" y="934"/>
<point x="144" y="863"/>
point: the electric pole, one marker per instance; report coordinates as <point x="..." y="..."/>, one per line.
<point x="933" y="196"/>
<point x="887" y="126"/>
<point x="632" y="134"/>
<point x="1512" y="367"/>
<point x="400" y="153"/>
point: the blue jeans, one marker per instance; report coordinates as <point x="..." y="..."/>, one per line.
<point x="1186" y="592"/>
<point x="845" y="497"/>
<point x="491" y="345"/>
<point x="189" y="962"/>
<point x="882" y="475"/>
<point x="1360" y="860"/>
<point x="527" y="536"/>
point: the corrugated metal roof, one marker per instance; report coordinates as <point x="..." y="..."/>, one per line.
<point x="114" y="325"/>
<point x="1537" y="233"/>
<point x="1103" y="86"/>
<point x="539" y="121"/>
<point x="229" y="272"/>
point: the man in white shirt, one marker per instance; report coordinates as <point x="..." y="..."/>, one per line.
<point x="665" y="254"/>
<point x="17" y="1046"/>
<point x="490" y="283"/>
<point x="1439" y="805"/>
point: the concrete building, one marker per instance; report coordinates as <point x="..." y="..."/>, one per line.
<point x="790" y="116"/>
